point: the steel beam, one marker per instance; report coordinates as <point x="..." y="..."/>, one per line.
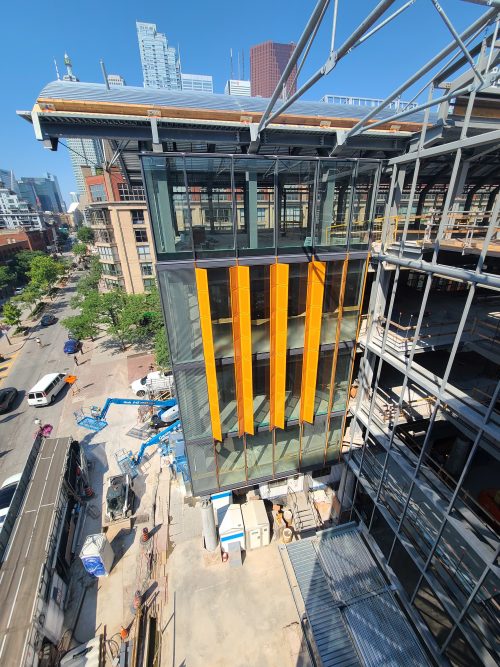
<point x="469" y="142"/>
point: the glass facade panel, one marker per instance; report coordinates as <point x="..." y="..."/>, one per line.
<point x="295" y="195"/>
<point x="259" y="305"/>
<point x="202" y="468"/>
<point x="220" y="310"/>
<point x="334" y="440"/>
<point x="227" y="397"/>
<point x="192" y="394"/>
<point x="333" y="204"/>
<point x="323" y="382"/>
<point x="373" y="464"/>
<point x="342" y="373"/>
<point x="261" y="388"/>
<point x="333" y="283"/>
<point x="313" y="443"/>
<point x="292" y="386"/>
<point x="364" y="192"/>
<point x="297" y="298"/>
<point x="404" y="568"/>
<point x="254" y="192"/>
<point x="211" y="205"/>
<point x="483" y="616"/>
<point x="363" y="505"/>
<point x="180" y="300"/>
<point x="166" y="191"/>
<point x="286" y="454"/>
<point x="382" y="532"/>
<point x="352" y="299"/>
<point x="231" y="461"/>
<point x="459" y="651"/>
<point x="394" y="490"/>
<point x="260" y="454"/>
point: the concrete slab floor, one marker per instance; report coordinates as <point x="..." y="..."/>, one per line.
<point x="222" y="616"/>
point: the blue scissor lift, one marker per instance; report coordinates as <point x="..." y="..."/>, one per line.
<point x="94" y="419"/>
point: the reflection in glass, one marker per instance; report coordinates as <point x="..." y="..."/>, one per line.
<point x="433" y="613"/>
<point x="259" y="306"/>
<point x="286" y="455"/>
<point x="261" y="389"/>
<point x="292" y="386"/>
<point x="323" y="382"/>
<point x="485" y="612"/>
<point x="313" y="443"/>
<point x="231" y="461"/>
<point x="227" y="397"/>
<point x="364" y="191"/>
<point x="220" y="310"/>
<point x="342" y="372"/>
<point x="259" y="454"/>
<point x="333" y="283"/>
<point x="297" y="297"/>
<point x="333" y="204"/>
<point x="334" y="440"/>
<point x="202" y="468"/>
<point x="166" y="191"/>
<point x="254" y="192"/>
<point x="211" y="204"/>
<point x="295" y="193"/>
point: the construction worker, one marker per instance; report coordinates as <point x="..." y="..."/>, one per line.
<point x="38" y="341"/>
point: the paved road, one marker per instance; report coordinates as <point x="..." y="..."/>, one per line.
<point x="30" y="364"/>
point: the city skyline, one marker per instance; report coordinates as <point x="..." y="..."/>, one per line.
<point x="117" y="39"/>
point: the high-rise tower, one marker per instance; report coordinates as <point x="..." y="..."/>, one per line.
<point x="160" y="67"/>
<point x="267" y="63"/>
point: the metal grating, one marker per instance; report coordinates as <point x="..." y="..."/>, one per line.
<point x="396" y="646"/>
<point x="331" y="636"/>
<point x="349" y="566"/>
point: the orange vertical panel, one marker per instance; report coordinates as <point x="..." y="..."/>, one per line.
<point x="239" y="278"/>
<point x="208" y="351"/>
<point x="278" y="346"/>
<point x="314" y="308"/>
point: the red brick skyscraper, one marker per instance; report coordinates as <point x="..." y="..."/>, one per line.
<point x="267" y="63"/>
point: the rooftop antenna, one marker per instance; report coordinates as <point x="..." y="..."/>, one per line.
<point x="243" y="62"/>
<point x="231" y="61"/>
<point x="57" y="70"/>
<point x="239" y="67"/>
<point x="103" y="68"/>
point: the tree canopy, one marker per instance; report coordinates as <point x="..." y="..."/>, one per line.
<point x="85" y="235"/>
<point x="12" y="314"/>
<point x="44" y="272"/>
<point x="80" y="249"/>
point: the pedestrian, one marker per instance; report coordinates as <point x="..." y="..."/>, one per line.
<point x="38" y="341"/>
<point x="81" y="348"/>
<point x="75" y="359"/>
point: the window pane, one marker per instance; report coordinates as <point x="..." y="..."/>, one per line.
<point x="432" y="612"/>
<point x="363" y="505"/>
<point x="313" y="443"/>
<point x="231" y="461"/>
<point x="459" y="651"/>
<point x="227" y="397"/>
<point x="260" y="454"/>
<point x="295" y="193"/>
<point x="334" y="440"/>
<point x="261" y="389"/>
<point x="404" y="567"/>
<point x="202" y="468"/>
<point x="192" y="394"/>
<point x="166" y="192"/>
<point x="395" y="487"/>
<point x="333" y="282"/>
<point x="323" y="382"/>
<point x="211" y="204"/>
<point x="286" y="454"/>
<point x="342" y="372"/>
<point x="382" y="532"/>
<point x="220" y="309"/>
<point x="180" y="301"/>
<point x="362" y="203"/>
<point x="483" y="617"/>
<point x="254" y="192"/>
<point x="421" y="523"/>
<point x="292" y="386"/>
<point x="333" y="204"/>
<point x="259" y="304"/>
<point x="297" y="298"/>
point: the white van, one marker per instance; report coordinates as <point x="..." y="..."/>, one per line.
<point x="46" y="389"/>
<point x="154" y="381"/>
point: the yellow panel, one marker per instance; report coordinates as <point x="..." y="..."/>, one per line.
<point x="208" y="351"/>
<point x="278" y="347"/>
<point x="239" y="278"/>
<point x="314" y="308"/>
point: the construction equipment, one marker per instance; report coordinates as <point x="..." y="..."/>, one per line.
<point x="119" y="497"/>
<point x="95" y="418"/>
<point x="157" y="438"/>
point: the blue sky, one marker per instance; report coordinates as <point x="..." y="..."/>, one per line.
<point x="33" y="33"/>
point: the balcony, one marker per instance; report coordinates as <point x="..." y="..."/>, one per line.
<point x="104" y="236"/>
<point x="98" y="217"/>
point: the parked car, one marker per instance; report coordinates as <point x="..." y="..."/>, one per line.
<point x="18" y="291"/>
<point x="48" y="319"/>
<point x="7" y="491"/>
<point x="7" y="398"/>
<point x="72" y="346"/>
<point x="156" y="380"/>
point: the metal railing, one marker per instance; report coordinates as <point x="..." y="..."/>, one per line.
<point x="291" y="501"/>
<point x="98" y="216"/>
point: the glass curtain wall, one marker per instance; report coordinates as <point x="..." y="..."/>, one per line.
<point x="208" y="206"/>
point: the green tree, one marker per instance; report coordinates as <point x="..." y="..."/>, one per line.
<point x="6" y="277"/>
<point x="162" y="353"/>
<point x="12" y="314"/>
<point x="85" y="235"/>
<point x="30" y="296"/>
<point x="80" y="249"/>
<point x="81" y="326"/>
<point x="22" y="263"/>
<point x="44" y="271"/>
